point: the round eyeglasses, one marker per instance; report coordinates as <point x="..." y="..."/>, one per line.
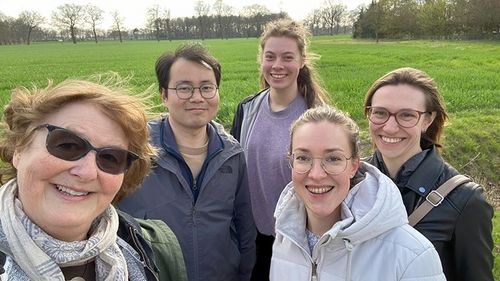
<point x="406" y="118"/>
<point x="186" y="91"/>
<point x="332" y="163"/>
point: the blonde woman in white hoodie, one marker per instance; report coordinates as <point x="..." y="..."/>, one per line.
<point x="340" y="219"/>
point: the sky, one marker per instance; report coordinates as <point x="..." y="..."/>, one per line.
<point x="134" y="12"/>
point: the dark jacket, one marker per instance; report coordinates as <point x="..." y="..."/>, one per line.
<point x="154" y="242"/>
<point x="210" y="215"/>
<point x="245" y="116"/>
<point x="460" y="227"/>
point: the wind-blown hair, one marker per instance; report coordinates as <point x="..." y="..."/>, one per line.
<point x="28" y="109"/>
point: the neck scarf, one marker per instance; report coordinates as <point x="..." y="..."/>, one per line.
<point x="40" y="256"/>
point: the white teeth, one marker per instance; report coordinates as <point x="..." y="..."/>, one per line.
<point x="70" y="191"/>
<point x="319" y="190"/>
<point x="278" y="75"/>
<point x="391" y="140"/>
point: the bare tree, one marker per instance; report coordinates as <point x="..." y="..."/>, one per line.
<point x="32" y="20"/>
<point x="222" y="12"/>
<point x="166" y="22"/>
<point x="332" y="14"/>
<point x="154" y="20"/>
<point x="5" y="25"/>
<point x="313" y="20"/>
<point x="117" y="24"/>
<point x="202" y="10"/>
<point x="69" y="16"/>
<point x="348" y="20"/>
<point x="256" y="18"/>
<point x="94" y="16"/>
<point x="158" y="20"/>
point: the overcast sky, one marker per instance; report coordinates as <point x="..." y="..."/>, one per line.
<point x="134" y="12"/>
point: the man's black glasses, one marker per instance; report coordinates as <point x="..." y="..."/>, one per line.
<point x="66" y="145"/>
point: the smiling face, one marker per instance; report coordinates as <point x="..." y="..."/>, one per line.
<point x="281" y="62"/>
<point x="322" y="193"/>
<point x="194" y="113"/>
<point x="64" y="197"/>
<point x="395" y="143"/>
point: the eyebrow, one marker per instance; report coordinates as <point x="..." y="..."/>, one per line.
<point x="326" y="151"/>
<point x="401" y="109"/>
<point x="191" y="82"/>
<point x="284" y="53"/>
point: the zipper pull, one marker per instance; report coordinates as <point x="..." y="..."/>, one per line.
<point x="314" y="275"/>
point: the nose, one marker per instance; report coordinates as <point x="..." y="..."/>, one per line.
<point x="317" y="171"/>
<point x="391" y="125"/>
<point x="277" y="63"/>
<point x="196" y="95"/>
<point x="86" y="167"/>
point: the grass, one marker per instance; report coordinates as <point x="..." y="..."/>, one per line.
<point x="496" y="240"/>
<point x="467" y="74"/>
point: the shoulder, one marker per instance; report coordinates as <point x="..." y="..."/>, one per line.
<point x="254" y="97"/>
<point x="466" y="195"/>
<point x="156" y="231"/>
<point x="154" y="127"/>
<point x="407" y="239"/>
<point x="229" y="143"/>
<point x="405" y="246"/>
<point x="167" y="251"/>
<point x="155" y="124"/>
<point x="412" y="254"/>
<point x="251" y="102"/>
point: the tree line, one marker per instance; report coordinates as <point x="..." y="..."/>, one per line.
<point x="400" y="19"/>
<point x="429" y="19"/>
<point x="73" y="22"/>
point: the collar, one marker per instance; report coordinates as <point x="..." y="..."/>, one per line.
<point x="424" y="178"/>
<point x="167" y="139"/>
<point x="419" y="173"/>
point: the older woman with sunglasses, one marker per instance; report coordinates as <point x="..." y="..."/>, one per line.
<point x="406" y="116"/>
<point x="71" y="151"/>
<point x="340" y="219"/>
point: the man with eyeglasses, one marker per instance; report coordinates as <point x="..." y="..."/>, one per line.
<point x="199" y="184"/>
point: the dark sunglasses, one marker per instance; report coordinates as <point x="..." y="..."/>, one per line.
<point x="66" y="145"/>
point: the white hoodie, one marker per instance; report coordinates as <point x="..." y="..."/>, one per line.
<point x="372" y="241"/>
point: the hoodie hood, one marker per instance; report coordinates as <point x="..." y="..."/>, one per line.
<point x="373" y="206"/>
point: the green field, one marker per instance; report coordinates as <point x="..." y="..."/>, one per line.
<point x="468" y="74"/>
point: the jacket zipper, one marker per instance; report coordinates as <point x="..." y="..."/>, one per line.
<point x="314" y="264"/>
<point x="314" y="275"/>
<point x="141" y="251"/>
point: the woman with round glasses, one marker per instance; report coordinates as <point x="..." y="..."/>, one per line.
<point x="406" y="116"/>
<point x="71" y="150"/>
<point x="340" y="219"/>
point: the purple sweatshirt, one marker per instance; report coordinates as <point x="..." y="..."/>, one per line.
<point x="268" y="170"/>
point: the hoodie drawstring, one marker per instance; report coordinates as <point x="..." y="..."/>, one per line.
<point x="349" y="248"/>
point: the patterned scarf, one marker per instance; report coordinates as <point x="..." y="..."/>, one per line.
<point x="39" y="256"/>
